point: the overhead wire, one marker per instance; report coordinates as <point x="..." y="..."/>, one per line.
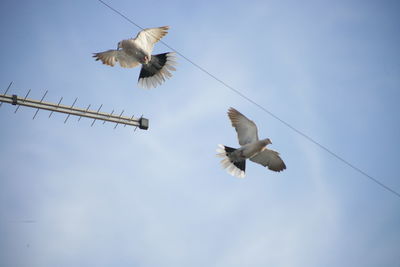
<point x="326" y="149"/>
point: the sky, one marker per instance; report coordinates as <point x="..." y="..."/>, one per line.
<point x="75" y="195"/>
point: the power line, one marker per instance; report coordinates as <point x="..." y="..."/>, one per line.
<point x="263" y="108"/>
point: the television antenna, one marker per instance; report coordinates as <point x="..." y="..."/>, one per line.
<point x="141" y="123"/>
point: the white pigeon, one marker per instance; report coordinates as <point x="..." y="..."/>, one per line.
<point x="135" y="51"/>
<point x="234" y="159"/>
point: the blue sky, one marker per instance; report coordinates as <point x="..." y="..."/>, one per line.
<point x="75" y="195"/>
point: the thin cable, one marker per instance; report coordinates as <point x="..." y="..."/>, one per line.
<point x="264" y="109"/>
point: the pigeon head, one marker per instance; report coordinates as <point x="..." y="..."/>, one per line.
<point x="146" y="59"/>
<point x="267" y="141"/>
<point x="142" y="57"/>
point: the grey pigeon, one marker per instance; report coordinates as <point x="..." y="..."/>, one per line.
<point x="132" y="52"/>
<point x="234" y="159"/>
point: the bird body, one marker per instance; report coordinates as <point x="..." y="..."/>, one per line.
<point x="248" y="150"/>
<point x="135" y="51"/>
<point x="234" y="160"/>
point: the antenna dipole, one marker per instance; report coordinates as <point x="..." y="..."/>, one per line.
<point x="141" y="123"/>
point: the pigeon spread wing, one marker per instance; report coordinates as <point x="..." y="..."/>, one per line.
<point x="271" y="159"/>
<point x="148" y="37"/>
<point x="245" y="128"/>
<point x="109" y="57"/>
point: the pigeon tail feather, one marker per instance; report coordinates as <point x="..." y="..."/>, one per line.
<point x="234" y="168"/>
<point x="154" y="73"/>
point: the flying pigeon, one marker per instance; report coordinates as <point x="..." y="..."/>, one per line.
<point x="135" y="51"/>
<point x="234" y="159"/>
